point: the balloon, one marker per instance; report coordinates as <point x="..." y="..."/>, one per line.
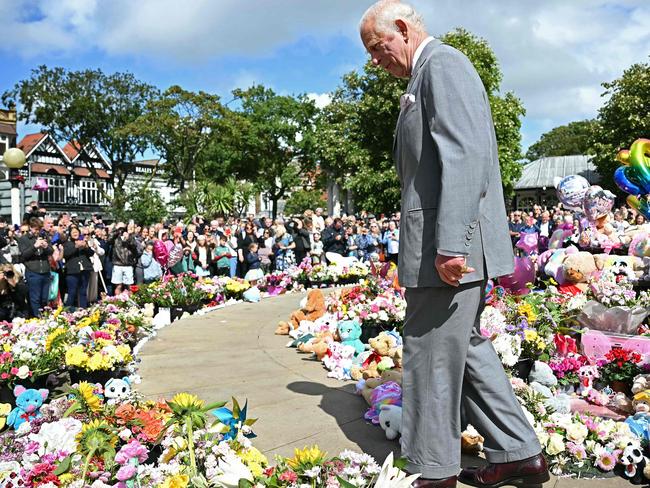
<point x="598" y="202"/>
<point x="641" y="204"/>
<point x="637" y="160"/>
<point x="40" y="185"/>
<point x="558" y="237"/>
<point x="160" y="253"/>
<point x="528" y="243"/>
<point x="517" y="282"/>
<point x="571" y="190"/>
<point x="625" y="179"/>
<point x="175" y="255"/>
<point x="640" y="245"/>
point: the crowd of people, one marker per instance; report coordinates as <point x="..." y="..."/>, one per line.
<point x="61" y="259"/>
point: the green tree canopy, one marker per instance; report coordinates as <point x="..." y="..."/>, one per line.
<point x="145" y="206"/>
<point x="179" y="125"/>
<point x="87" y="107"/>
<point x="622" y="119"/>
<point x="565" y="140"/>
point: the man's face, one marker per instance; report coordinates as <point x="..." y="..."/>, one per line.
<point x="388" y="50"/>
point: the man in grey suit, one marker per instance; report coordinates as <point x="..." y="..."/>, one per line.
<point x="454" y="236"/>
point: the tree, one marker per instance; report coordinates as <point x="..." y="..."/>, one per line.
<point x="145" y="206"/>
<point x="622" y="119"/>
<point x="211" y="199"/>
<point x="354" y="143"/>
<point x="179" y="125"/>
<point x="301" y="200"/>
<point x="270" y="142"/>
<point x="87" y="107"/>
<point x="565" y="140"/>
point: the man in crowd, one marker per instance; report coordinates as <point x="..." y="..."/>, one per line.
<point x="452" y="200"/>
<point x="516" y="226"/>
<point x="124" y="258"/>
<point x="35" y="250"/>
<point x="334" y="238"/>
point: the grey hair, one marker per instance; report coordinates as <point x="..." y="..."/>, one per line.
<point x="386" y="12"/>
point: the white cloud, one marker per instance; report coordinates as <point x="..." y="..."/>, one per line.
<point x="554" y="54"/>
<point x="320" y="99"/>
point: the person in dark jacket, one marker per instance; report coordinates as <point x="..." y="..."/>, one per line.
<point x="14" y="294"/>
<point x="35" y="249"/>
<point x="334" y="238"/>
<point x="124" y="258"/>
<point x="302" y="239"/>
<point x="78" y="267"/>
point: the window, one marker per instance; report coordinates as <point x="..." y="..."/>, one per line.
<point x="526" y="204"/>
<point x="3" y="145"/>
<point x="89" y="194"/>
<point x="56" y="191"/>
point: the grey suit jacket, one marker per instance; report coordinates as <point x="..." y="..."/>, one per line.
<point x="445" y="153"/>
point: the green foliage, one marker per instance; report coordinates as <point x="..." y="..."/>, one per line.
<point x="87" y="107"/>
<point x="179" y="125"/>
<point x="565" y="140"/>
<point x="145" y="206"/>
<point x="301" y="200"/>
<point x="267" y="141"/>
<point x="622" y="119"/>
<point x="212" y="199"/>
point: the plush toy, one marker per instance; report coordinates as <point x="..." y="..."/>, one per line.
<point x="386" y="353"/>
<point x="640" y="422"/>
<point x="471" y="442"/>
<point x="366" y="387"/>
<point x="389" y="393"/>
<point x="641" y="382"/>
<point x="252" y="295"/>
<point x="542" y="380"/>
<point x="117" y="388"/>
<point x="629" y="268"/>
<point x="28" y="404"/>
<point x="318" y="345"/>
<point x="390" y="419"/>
<point x="587" y="374"/>
<point x="578" y="269"/>
<point x="554" y="263"/>
<point x="632" y="465"/>
<point x="312" y="307"/>
<point x="621" y="402"/>
<point x="350" y="333"/>
<point x="338" y="360"/>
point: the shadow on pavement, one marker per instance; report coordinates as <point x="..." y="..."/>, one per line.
<point x="348" y="409"/>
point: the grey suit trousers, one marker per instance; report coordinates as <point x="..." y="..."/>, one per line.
<point x="449" y="368"/>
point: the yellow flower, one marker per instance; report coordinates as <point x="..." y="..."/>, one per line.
<point x="95" y="362"/>
<point x="188" y="401"/>
<point x="6" y="347"/>
<point x="75" y="356"/>
<point x="307" y="456"/>
<point x="254" y="459"/>
<point x="58" y="311"/>
<point x="528" y="311"/>
<point x="5" y="409"/>
<point x="541" y="345"/>
<point x="66" y="479"/>
<point x="58" y="332"/>
<point x="530" y="335"/>
<point x="125" y="352"/>
<point x="95" y="433"/>
<point x="176" y="481"/>
<point x="90" y="399"/>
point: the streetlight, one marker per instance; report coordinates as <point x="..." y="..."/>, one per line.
<point x="15" y="159"/>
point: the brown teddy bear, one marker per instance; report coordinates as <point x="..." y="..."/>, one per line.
<point x="319" y="344"/>
<point x="578" y="269"/>
<point x="312" y="307"/>
<point x="385" y="354"/>
<point x="370" y="384"/>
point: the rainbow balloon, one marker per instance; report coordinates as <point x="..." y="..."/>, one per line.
<point x="634" y="176"/>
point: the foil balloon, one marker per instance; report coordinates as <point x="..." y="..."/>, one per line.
<point x="528" y="243"/>
<point x="571" y="190"/>
<point x="634" y="176"/>
<point x="597" y="202"/>
<point x="640" y="204"/>
<point x="626" y="179"/>
<point x="524" y="274"/>
<point x="640" y="245"/>
<point x="40" y="185"/>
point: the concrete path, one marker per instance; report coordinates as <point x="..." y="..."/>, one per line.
<point x="233" y="352"/>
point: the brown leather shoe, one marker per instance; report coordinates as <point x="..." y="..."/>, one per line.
<point x="528" y="473"/>
<point x="441" y="483"/>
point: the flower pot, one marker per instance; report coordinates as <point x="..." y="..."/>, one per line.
<point x="522" y="368"/>
<point x="162" y="318"/>
<point x="7" y="395"/>
<point x="620" y="387"/>
<point x="191" y="309"/>
<point x="94" y="377"/>
<point x="175" y="313"/>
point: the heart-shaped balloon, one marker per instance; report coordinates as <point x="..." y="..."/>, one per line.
<point x="597" y="202"/>
<point x="524" y="274"/>
<point x="571" y="190"/>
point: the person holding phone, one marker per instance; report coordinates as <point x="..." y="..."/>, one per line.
<point x="78" y="266"/>
<point x="35" y="249"/>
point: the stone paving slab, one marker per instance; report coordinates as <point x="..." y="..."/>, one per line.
<point x="233" y="352"/>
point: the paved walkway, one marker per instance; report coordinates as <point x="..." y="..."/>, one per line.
<point x="233" y="352"/>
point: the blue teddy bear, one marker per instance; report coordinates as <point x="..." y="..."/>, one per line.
<point x="350" y="332"/>
<point x="28" y="404"/>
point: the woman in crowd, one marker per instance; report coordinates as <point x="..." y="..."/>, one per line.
<point x="203" y="254"/>
<point x="351" y="238"/>
<point x="316" y="252"/>
<point x="283" y="249"/>
<point x="97" y="267"/>
<point x="391" y="242"/>
<point x="77" y="255"/>
<point x="151" y="268"/>
<point x="301" y="239"/>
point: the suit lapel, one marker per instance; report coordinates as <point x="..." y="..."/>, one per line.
<point x="426" y="52"/>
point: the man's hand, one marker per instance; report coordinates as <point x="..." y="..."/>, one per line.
<point x="452" y="268"/>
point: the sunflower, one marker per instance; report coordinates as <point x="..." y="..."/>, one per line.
<point x="306" y="458"/>
<point x="96" y="436"/>
<point x="86" y="392"/>
<point x="186" y="402"/>
<point x="50" y="342"/>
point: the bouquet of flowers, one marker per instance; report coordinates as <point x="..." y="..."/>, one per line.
<point x="619" y="365"/>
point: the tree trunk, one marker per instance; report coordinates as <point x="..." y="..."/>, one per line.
<point x="274" y="207"/>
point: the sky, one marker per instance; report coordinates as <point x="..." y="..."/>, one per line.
<point x="554" y="54"/>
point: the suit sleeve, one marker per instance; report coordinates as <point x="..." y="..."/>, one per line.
<point x="459" y="120"/>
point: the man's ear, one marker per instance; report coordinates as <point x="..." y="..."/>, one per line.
<point x="403" y="28"/>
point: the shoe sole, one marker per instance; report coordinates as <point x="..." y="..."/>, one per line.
<point x="532" y="481"/>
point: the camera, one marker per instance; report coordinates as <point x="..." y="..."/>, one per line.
<point x="42" y="234"/>
<point x="10" y="274"/>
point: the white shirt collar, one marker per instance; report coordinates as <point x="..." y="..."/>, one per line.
<point x="418" y="51"/>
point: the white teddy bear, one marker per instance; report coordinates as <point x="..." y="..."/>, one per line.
<point x="390" y="419"/>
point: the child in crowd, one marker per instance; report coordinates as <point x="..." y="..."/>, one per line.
<point x="254" y="272"/>
<point x="316" y="249"/>
<point x="221" y="257"/>
<point x="151" y="267"/>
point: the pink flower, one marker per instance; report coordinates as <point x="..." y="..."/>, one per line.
<point x="126" y="472"/>
<point x="131" y="450"/>
<point x="289" y="476"/>
<point x="606" y="461"/>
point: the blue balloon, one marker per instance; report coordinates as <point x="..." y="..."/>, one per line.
<point x="625" y="179"/>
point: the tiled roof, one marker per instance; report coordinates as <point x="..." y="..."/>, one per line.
<point x="30" y="141"/>
<point x="7" y="129"/>
<point x="44" y="168"/>
<point x="541" y="173"/>
<point x="71" y="151"/>
<point x="79" y="171"/>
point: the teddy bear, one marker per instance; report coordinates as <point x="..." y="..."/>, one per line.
<point x="339" y="360"/>
<point x="386" y="353"/>
<point x="28" y="404"/>
<point x="390" y="419"/>
<point x="117" y="388"/>
<point x="365" y="387"/>
<point x="542" y="380"/>
<point x="621" y="268"/>
<point x="578" y="269"/>
<point x="350" y="333"/>
<point x="639" y="423"/>
<point x="319" y="345"/>
<point x="312" y="307"/>
<point x="641" y="382"/>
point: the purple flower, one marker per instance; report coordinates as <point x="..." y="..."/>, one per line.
<point x="126" y="472"/>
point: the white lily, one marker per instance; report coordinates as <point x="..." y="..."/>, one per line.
<point x="232" y="470"/>
<point x="392" y="477"/>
